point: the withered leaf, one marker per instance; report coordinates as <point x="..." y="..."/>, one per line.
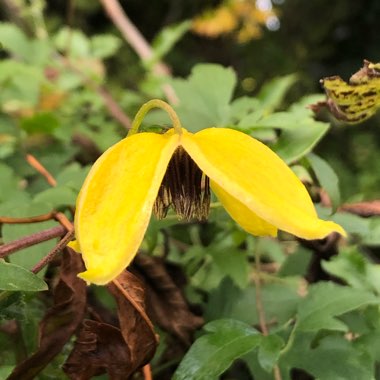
<point x="136" y="327"/>
<point x="61" y="320"/>
<point x="365" y="209"/>
<point x="357" y="100"/>
<point x="99" y="348"/>
<point x="165" y="301"/>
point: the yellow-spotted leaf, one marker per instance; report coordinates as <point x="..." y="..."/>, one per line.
<point x="357" y="100"/>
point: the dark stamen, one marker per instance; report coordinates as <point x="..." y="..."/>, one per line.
<point x="185" y="188"/>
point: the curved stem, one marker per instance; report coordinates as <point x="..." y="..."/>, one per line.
<point x="145" y="108"/>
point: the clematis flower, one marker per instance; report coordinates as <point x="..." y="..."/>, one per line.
<point x="150" y="172"/>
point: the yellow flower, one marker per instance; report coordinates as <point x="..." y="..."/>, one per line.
<point x="151" y="171"/>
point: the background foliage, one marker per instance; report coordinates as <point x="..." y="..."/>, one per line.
<point x="69" y="85"/>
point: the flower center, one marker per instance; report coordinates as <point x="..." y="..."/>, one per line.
<point x="185" y="188"/>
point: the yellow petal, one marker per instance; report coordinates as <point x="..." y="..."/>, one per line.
<point x="74" y="244"/>
<point x="116" y="200"/>
<point x="242" y="215"/>
<point x="250" y="172"/>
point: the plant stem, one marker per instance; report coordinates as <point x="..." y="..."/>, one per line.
<point x="28" y="241"/>
<point x="260" y="308"/>
<point x="259" y="301"/>
<point x="29" y="219"/>
<point x="133" y="36"/>
<point x="50" y="256"/>
<point x="32" y="161"/>
<point x="145" y="108"/>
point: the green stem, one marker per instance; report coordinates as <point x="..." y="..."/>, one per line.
<point x="145" y="108"/>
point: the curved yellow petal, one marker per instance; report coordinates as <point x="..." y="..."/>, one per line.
<point x="250" y="172"/>
<point x="242" y="215"/>
<point x="116" y="201"/>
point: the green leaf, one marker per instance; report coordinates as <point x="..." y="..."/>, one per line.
<point x="331" y="358"/>
<point x="269" y="351"/>
<point x="14" y="40"/>
<point x="104" y="45"/>
<point x="325" y="301"/>
<point x="10" y="183"/>
<point x="297" y="263"/>
<point x="226" y="261"/>
<point x="20" y="85"/>
<point x="295" y="143"/>
<point x="353" y="224"/>
<point x="27" y="257"/>
<point x="165" y="41"/>
<point x="212" y="354"/>
<point x="5" y="371"/>
<point x="56" y="197"/>
<point x="272" y="93"/>
<point x="327" y="178"/>
<point x="353" y="268"/>
<point x="280" y="302"/>
<point x="372" y="238"/>
<point x="73" y="41"/>
<point x="205" y="96"/>
<point x="43" y="122"/>
<point x="16" y="278"/>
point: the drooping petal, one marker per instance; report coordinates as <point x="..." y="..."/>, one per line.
<point x="116" y="201"/>
<point x="242" y="215"/>
<point x="251" y="173"/>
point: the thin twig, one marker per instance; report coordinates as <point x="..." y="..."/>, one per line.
<point x="259" y="301"/>
<point x="147" y="372"/>
<point x="51" y="255"/>
<point x="260" y="309"/>
<point x="29" y="219"/>
<point x="113" y="107"/>
<point x="134" y="304"/>
<point x="41" y="169"/>
<point x="62" y="219"/>
<point x="133" y="36"/>
<point x="28" y="241"/>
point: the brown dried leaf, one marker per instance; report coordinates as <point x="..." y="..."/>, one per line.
<point x="365" y="209"/>
<point x="166" y="303"/>
<point x="61" y="320"/>
<point x="135" y="325"/>
<point x="99" y="348"/>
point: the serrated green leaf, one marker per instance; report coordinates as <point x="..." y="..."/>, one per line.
<point x="16" y="278"/>
<point x="327" y="178"/>
<point x="272" y="93"/>
<point x="325" y="301"/>
<point x="166" y="39"/>
<point x="212" y="354"/>
<point x="334" y="358"/>
<point x="205" y="96"/>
